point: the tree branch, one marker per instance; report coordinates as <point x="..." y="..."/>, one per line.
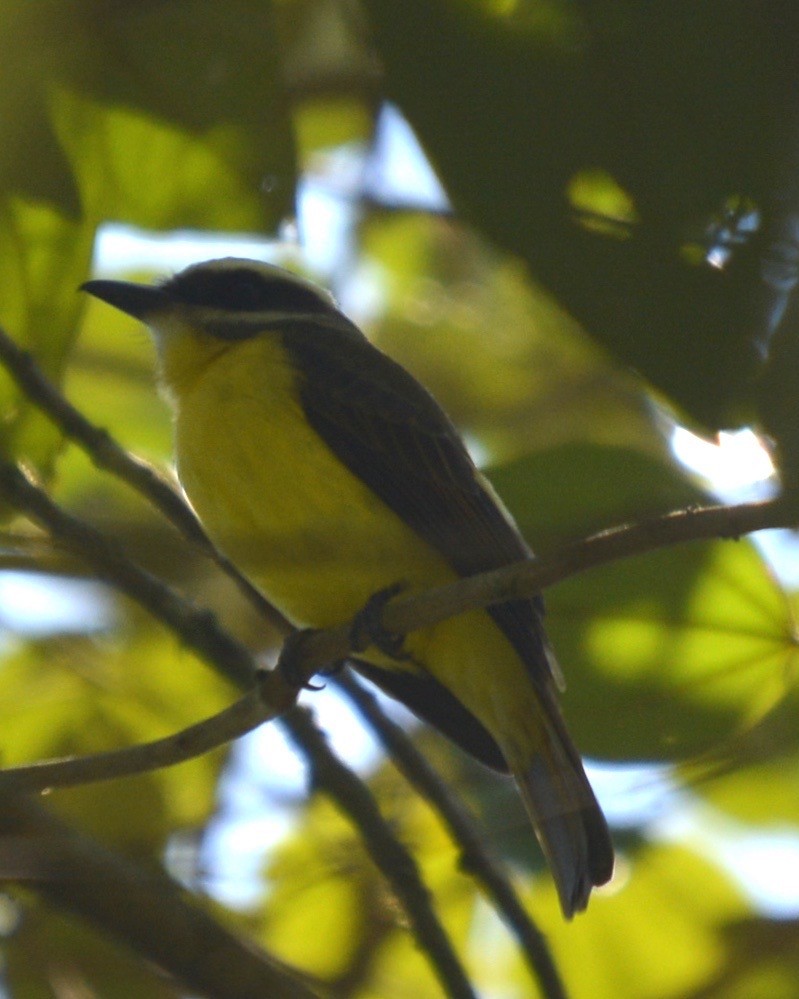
<point x="476" y="857"/>
<point x="397" y="865"/>
<point x="106" y="453"/>
<point x="236" y="720"/>
<point x="425" y="609"/>
<point x="201" y="632"/>
<point x="147" y="912"/>
<point x="198" y="628"/>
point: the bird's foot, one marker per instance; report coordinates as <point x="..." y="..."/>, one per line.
<point x="290" y="661"/>
<point x="367" y="627"/>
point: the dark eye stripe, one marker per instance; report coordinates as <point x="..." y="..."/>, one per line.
<point x="243" y="290"/>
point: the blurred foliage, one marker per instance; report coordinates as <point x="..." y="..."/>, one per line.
<point x="455" y="308"/>
<point x="672" y="952"/>
<point x="680" y="647"/>
<point x="89" y="694"/>
<point x="323" y="877"/>
<point x="52" y="955"/>
<point x="622" y="190"/>
<point x="136" y="113"/>
<point x="684" y="109"/>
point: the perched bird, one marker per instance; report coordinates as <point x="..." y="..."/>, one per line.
<point x="328" y="474"/>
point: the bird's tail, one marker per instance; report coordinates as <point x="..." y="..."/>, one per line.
<point x="564" y="812"/>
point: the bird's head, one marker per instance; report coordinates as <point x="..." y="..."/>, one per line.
<point x="208" y="306"/>
<point x="227" y="298"/>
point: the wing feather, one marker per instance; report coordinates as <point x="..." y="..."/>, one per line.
<point x="391" y="433"/>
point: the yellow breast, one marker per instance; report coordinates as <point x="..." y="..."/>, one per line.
<point x="276" y="499"/>
<point x="318" y="542"/>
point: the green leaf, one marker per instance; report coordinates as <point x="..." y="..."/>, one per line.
<point x="43" y="257"/>
<point x="669" y="653"/>
<point x="570" y="491"/>
<point x="515" y="110"/>
<point x="665" y="654"/>
<point x="761" y="961"/>
<point x="754" y="775"/>
<point x="159" y="115"/>
<point x="513" y="370"/>
<point x="611" y="951"/>
<point x="71" y="695"/>
<point x="207" y="71"/>
<point x="328" y="910"/>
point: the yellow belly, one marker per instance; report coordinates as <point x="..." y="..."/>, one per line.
<point x="311" y="535"/>
<point x="274" y="497"/>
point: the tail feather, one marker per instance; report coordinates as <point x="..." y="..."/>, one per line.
<point x="565" y="814"/>
<point x="569" y="825"/>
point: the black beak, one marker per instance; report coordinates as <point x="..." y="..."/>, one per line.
<point x="137" y="300"/>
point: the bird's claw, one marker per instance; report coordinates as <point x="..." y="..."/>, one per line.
<point x="289" y="661"/>
<point x="367" y="627"/>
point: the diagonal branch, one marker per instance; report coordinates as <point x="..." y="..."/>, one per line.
<point x="476" y="857"/>
<point x="198" y="628"/>
<point x="147" y="912"/>
<point x="244" y="715"/>
<point x="200" y="631"/>
<point x="404" y="614"/>
<point x="523" y="579"/>
<point x="330" y="775"/>
<point x="106" y="453"/>
<point x="401" y="615"/>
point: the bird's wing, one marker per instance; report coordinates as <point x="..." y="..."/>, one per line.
<point x="391" y="433"/>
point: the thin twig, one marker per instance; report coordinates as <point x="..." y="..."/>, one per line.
<point x="352" y="796"/>
<point x="198" y="628"/>
<point x="404" y="614"/>
<point x="624" y="541"/>
<point x="106" y="453"/>
<point x="236" y="720"/>
<point x="200" y="631"/>
<point x="476" y="856"/>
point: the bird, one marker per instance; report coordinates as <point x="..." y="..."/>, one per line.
<point x="329" y="475"/>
